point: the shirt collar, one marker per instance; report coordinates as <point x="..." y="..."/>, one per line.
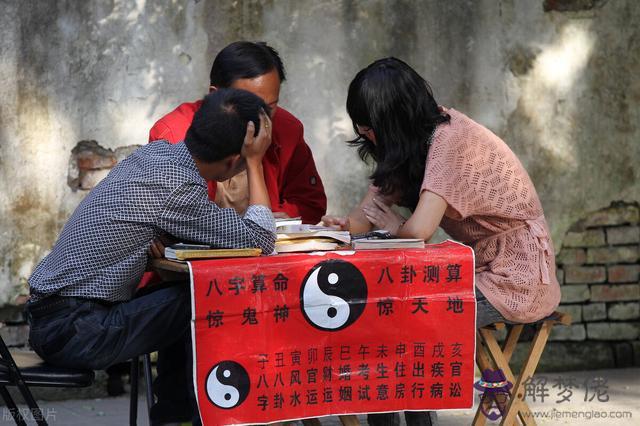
<point x="182" y="155"/>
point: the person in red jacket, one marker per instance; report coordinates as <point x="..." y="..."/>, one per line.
<point x="293" y="183"/>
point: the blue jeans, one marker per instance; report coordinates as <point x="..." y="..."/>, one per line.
<point x="83" y="333"/>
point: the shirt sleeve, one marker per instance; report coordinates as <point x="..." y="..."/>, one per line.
<point x="302" y="193"/>
<point x="188" y="214"/>
<point x="261" y="216"/>
<point x="447" y="174"/>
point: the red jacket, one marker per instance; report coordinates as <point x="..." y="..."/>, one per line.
<point x="293" y="183"/>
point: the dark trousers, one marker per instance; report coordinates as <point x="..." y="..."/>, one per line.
<point x="413" y="418"/>
<point x="82" y="333"/>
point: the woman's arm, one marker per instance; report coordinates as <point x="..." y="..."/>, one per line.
<point x="425" y="219"/>
<point x="421" y="224"/>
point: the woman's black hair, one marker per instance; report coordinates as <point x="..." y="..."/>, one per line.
<point x="398" y="105"/>
<point x="244" y="59"/>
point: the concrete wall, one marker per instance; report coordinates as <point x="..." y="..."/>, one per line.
<point x="559" y="85"/>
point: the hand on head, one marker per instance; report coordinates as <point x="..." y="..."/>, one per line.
<point x="254" y="147"/>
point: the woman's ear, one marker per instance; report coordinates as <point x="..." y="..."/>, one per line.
<point x="212" y="89"/>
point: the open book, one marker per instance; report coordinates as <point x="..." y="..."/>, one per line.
<point x="283" y="222"/>
<point x="295" y="238"/>
<point x="306" y="244"/>
<point x="182" y="251"/>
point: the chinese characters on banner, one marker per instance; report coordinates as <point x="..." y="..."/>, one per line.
<point x="306" y="335"/>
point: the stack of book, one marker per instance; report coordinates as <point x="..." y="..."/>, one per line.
<point x="390" y="243"/>
<point x="301" y="238"/>
<point x="183" y="251"/>
<point x="381" y="239"/>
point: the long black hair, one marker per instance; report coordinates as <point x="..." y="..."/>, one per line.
<point x="398" y="105"/>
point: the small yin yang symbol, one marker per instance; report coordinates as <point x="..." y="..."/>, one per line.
<point x="227" y="384"/>
<point x="333" y="295"/>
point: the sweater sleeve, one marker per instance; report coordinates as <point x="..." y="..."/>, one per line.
<point x="447" y="174"/>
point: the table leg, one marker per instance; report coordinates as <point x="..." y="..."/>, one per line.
<point x="350" y="420"/>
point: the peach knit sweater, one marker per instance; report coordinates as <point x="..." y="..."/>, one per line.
<point x="493" y="207"/>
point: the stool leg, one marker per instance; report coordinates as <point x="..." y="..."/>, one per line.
<point x="529" y="367"/>
<point x="502" y="363"/>
<point x="483" y="363"/>
<point x="35" y="411"/>
<point x="148" y="378"/>
<point x="133" y="401"/>
<point x="512" y="341"/>
<point x="11" y="405"/>
<point x="507" y="349"/>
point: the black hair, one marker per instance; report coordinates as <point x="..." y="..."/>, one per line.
<point x="398" y="105"/>
<point x="244" y="59"/>
<point x="219" y="126"/>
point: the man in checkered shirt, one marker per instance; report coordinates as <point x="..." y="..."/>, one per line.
<point x="82" y="311"/>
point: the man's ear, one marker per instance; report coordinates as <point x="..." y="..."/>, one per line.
<point x="212" y="89"/>
<point x="233" y="161"/>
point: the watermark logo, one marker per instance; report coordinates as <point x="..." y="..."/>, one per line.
<point x="495" y="393"/>
<point x="29" y="415"/>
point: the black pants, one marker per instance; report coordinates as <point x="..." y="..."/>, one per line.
<point x="81" y="333"/>
<point x="413" y="418"/>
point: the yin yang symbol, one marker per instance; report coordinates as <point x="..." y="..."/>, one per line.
<point x="227" y="384"/>
<point x="333" y="295"/>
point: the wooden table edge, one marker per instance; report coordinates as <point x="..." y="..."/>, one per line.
<point x="170" y="265"/>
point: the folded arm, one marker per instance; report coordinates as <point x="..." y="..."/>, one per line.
<point x="190" y="216"/>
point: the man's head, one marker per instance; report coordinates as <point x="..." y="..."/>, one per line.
<point x="255" y="67"/>
<point x="217" y="132"/>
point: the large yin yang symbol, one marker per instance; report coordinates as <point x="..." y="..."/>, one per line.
<point x="227" y="384"/>
<point x="333" y="295"/>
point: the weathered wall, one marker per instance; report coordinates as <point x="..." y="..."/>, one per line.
<point x="560" y="86"/>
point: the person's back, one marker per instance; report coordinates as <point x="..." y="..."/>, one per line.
<point x="82" y="312"/>
<point x="494" y="207"/>
<point x="93" y="258"/>
<point x="92" y="238"/>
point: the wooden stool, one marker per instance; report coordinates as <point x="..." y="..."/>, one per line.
<point x="489" y="355"/>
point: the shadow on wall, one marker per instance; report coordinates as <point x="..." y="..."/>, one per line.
<point x="574" y="117"/>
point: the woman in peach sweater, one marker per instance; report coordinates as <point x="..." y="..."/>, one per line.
<point x="452" y="172"/>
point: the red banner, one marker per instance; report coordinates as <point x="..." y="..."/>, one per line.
<point x="309" y="335"/>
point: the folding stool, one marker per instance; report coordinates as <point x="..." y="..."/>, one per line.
<point x="489" y="355"/>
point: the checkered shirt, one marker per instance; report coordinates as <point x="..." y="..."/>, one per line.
<point x="102" y="251"/>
